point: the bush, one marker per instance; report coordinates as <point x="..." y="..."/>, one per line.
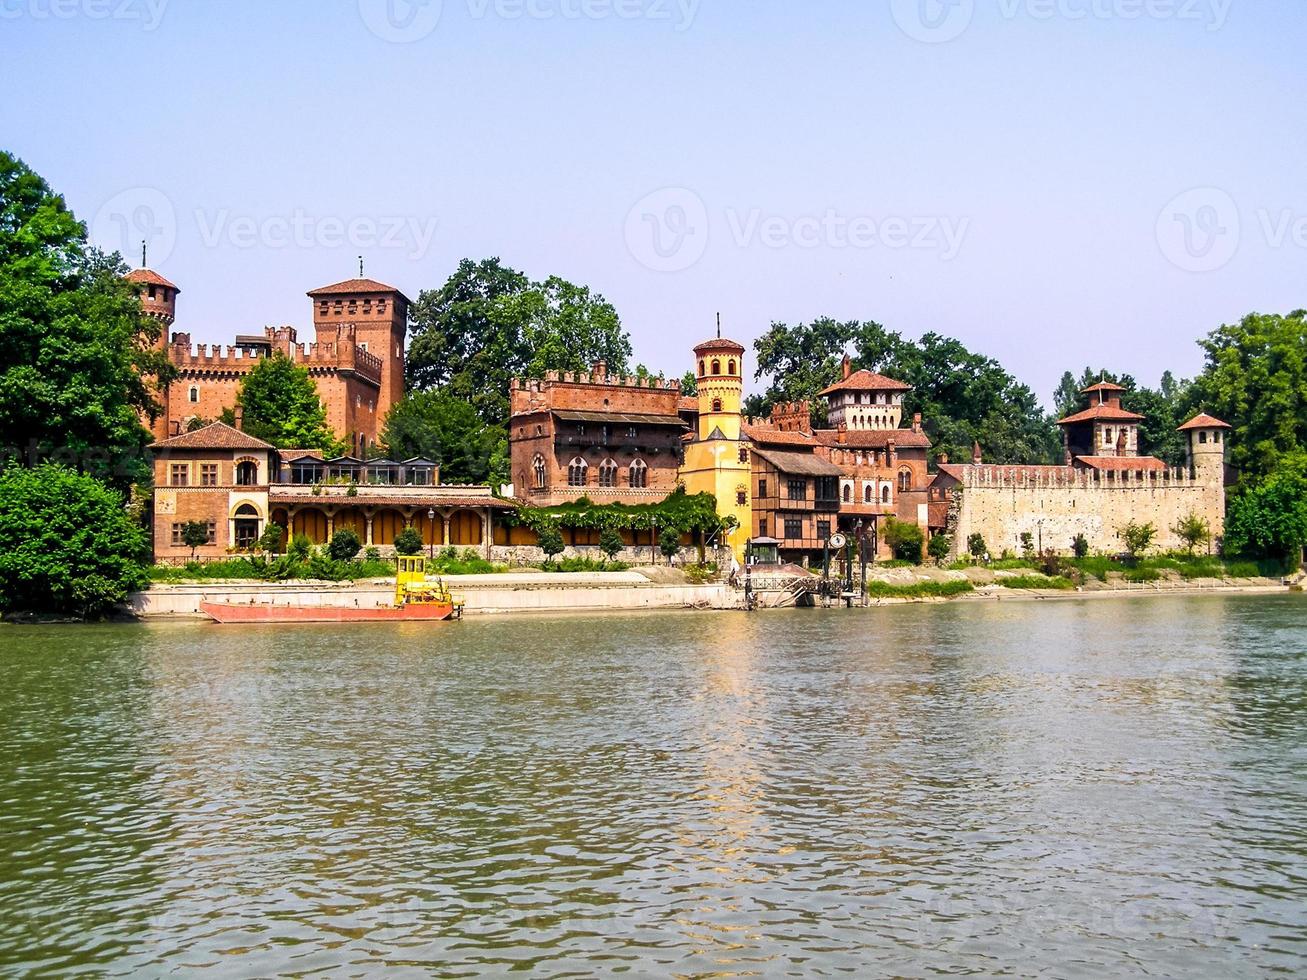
<point x="905" y="540"/>
<point x="408" y="542"/>
<point x="550" y="540"/>
<point x="976" y="546"/>
<point x="1058" y="582"/>
<point x="611" y="543"/>
<point x="345" y="544"/>
<point x="1080" y="546"/>
<point x="669" y="542"/>
<point x="301" y="547"/>
<point x="939" y="547"/>
<point x="1137" y="538"/>
<point x="67" y="544"/>
<point x="270" y="540"/>
<point x="1027" y="545"/>
<point x="919" y="590"/>
<point x="1193" y="531"/>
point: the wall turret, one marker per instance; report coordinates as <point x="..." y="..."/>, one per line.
<point x="1207" y="444"/>
<point x="721" y="387"/>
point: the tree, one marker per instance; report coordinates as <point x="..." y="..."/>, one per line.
<point x="408" y="542"/>
<point x="489" y="323"/>
<point x="551" y="543"/>
<point x="939" y="547"/>
<point x="1269" y="517"/>
<point x="438" y="426"/>
<point x="1256" y="379"/>
<point x="610" y="542"/>
<point x="689" y="384"/>
<point x="67" y="544"/>
<point x="76" y="351"/>
<point x="1027" y="545"/>
<point x="344" y="545"/>
<point x="1137" y="538"/>
<point x="270" y="540"/>
<point x="281" y="406"/>
<point x="904" y="539"/>
<point x="669" y="542"/>
<point x="1193" y="531"/>
<point x="1080" y="546"/>
<point x="976" y="546"/>
<point x="195" y="535"/>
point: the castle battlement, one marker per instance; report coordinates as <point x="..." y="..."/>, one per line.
<point x="596" y="379"/>
<point x="1072" y="478"/>
<point x="341" y="355"/>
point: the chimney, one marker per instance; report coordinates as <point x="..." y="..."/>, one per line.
<point x="943" y="459"/>
<point x="976" y="457"/>
<point x="916" y="422"/>
<point x="240" y="417"/>
<point x="843" y="436"/>
<point x="847" y="367"/>
<point x="600" y="371"/>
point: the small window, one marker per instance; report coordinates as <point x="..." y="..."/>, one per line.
<point x="247" y="473"/>
<point x="823" y="530"/>
<point x="762" y="488"/>
<point x="194" y="394"/>
<point x="1202" y="437"/>
<point x="744" y="454"/>
<point x="797" y="490"/>
<point x="848" y="494"/>
<point x="741" y="496"/>
<point x="1216" y="437"/>
<point x="884" y="495"/>
<point x="179" y="475"/>
<point x="730" y="368"/>
<point x="905" y="481"/>
<point x="868" y="495"/>
<point x="794" y="528"/>
<point x="762" y="527"/>
<point x="716" y="404"/>
<point x="208" y="474"/>
<point x="716" y="367"/>
<point x="701" y="369"/>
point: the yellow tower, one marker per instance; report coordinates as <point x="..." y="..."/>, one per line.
<point x="717" y="461"/>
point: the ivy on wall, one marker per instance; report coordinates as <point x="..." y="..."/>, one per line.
<point x="680" y="512"/>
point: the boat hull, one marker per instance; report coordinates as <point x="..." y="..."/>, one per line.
<point x="263" y="612"/>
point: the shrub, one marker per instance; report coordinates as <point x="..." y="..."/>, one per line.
<point x="669" y="542"/>
<point x="1058" y="582"/>
<point x="1193" y="531"/>
<point x="939" y="547"/>
<point x="611" y="543"/>
<point x="905" y="540"/>
<point x="1027" y="545"/>
<point x="301" y="547"/>
<point x="551" y="542"/>
<point x="1049" y="563"/>
<point x="1137" y="538"/>
<point x="345" y="544"/>
<point x="372" y="555"/>
<point x="67" y="544"/>
<point x="919" y="590"/>
<point x="408" y="542"/>
<point x="976" y="546"/>
<point x="270" y="540"/>
<point x="195" y="535"/>
<point x="1080" y="546"/>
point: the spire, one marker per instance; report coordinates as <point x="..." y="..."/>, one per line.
<point x="144" y="264"/>
<point x="360" y="267"/>
<point x="719" y="326"/>
<point x="976" y="457"/>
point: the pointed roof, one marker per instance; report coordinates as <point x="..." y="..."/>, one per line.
<point x="149" y="277"/>
<point x="215" y="435"/>
<point x="356" y="286"/>
<point x="1101" y="386"/>
<point x="722" y="344"/>
<point x="1103" y="412"/>
<point x="865" y="380"/>
<point x="1204" y="421"/>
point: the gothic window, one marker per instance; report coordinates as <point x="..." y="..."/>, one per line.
<point x="608" y="473"/>
<point x="716" y="367"/>
<point x="577" y="471"/>
<point x="884" y="495"/>
<point x="538" y="466"/>
<point x="905" y="480"/>
<point x="848" y="494"/>
<point x="639" y="475"/>
<point x="868" y="494"/>
<point x="730" y="367"/>
<point x="716" y="404"/>
<point x="701" y="369"/>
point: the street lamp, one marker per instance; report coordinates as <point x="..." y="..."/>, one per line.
<point x="431" y="525"/>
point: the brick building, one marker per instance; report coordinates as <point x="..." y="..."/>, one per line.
<point x="591" y="434"/>
<point x="356" y="360"/>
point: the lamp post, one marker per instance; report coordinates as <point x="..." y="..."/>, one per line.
<point x="431" y="523"/>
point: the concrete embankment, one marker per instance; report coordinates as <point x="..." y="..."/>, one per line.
<point x="483" y="594"/>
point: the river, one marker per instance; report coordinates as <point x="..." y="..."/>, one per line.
<point x="1074" y="788"/>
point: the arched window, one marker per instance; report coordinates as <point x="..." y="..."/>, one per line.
<point x="905" y="480"/>
<point x="194" y="394"/>
<point x="730" y="367"/>
<point x="848" y="494"/>
<point x="577" y="472"/>
<point x="608" y="473"/>
<point x="716" y="366"/>
<point x="247" y="473"/>
<point x="246" y="526"/>
<point x="884" y="495"/>
<point x="868" y="494"/>
<point x="538" y="466"/>
<point x="716" y="404"/>
<point x="639" y="475"/>
<point x="701" y="369"/>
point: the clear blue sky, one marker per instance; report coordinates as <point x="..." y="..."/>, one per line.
<point x="1051" y="139"/>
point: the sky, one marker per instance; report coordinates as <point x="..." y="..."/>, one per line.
<point x="1057" y="183"/>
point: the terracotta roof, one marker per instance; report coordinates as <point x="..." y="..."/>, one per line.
<point x="1122" y="463"/>
<point x="803" y="464"/>
<point x="1109" y="413"/>
<point x="866" y="381"/>
<point x="688" y="403"/>
<point x="1101" y="386"/>
<point x="720" y="343"/>
<point x="765" y="435"/>
<point x="355" y="286"/>
<point x="1204" y="421"/>
<point x="149" y="277"/>
<point x="215" y="435"/>
<point x="874" y="438"/>
<point x="293" y="454"/>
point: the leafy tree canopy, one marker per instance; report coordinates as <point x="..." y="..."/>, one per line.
<point x="444" y="428"/>
<point x="489" y="323"/>
<point x="962" y="396"/>
<point x="281" y="406"/>
<point x="1164" y="408"/>
<point x="67" y="544"/>
<point x="1255" y="378"/>
<point x="75" y="348"/>
<point x="1269" y="517"/>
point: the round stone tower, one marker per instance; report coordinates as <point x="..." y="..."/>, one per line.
<point x="1207" y="442"/>
<point x="158" y="298"/>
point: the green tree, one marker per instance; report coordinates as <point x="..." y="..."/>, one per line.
<point x="689" y="384"/>
<point x="610" y="542"/>
<point x="489" y="323"/>
<point x="76" y="352"/>
<point x="976" y="545"/>
<point x="1080" y="546"/>
<point x="1193" y="531"/>
<point x="1269" y="517"/>
<point x="408" y="542"/>
<point x="281" y="406"/>
<point x="551" y="543"/>
<point x="1256" y="379"/>
<point x="939" y="547"/>
<point x="270" y="540"/>
<point x="444" y="428"/>
<point x="1138" y="538"/>
<point x="669" y="542"/>
<point x="344" y="545"/>
<point x="195" y="535"/>
<point x="904" y="539"/>
<point x="67" y="544"/>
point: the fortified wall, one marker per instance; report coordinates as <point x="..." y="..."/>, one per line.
<point x="1054" y="505"/>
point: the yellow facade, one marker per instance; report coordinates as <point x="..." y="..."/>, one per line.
<point x="717" y="462"/>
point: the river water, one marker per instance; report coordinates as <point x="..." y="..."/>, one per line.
<point x="1070" y="788"/>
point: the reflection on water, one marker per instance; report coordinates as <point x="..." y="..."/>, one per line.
<point x="1067" y="788"/>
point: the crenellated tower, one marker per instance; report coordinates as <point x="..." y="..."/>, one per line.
<point x="379" y="316"/>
